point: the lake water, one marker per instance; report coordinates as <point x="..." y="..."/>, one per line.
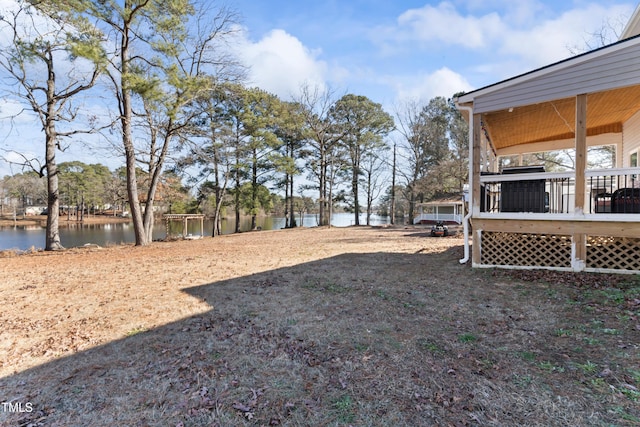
<point x="73" y="235"/>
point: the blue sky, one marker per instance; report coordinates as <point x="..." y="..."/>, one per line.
<point x="392" y="51"/>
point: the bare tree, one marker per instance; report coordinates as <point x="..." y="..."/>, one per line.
<point x="53" y="56"/>
<point x="162" y="54"/>
<point x="323" y="136"/>
<point x="411" y="150"/>
<point x="372" y="168"/>
<point x="425" y="131"/>
<point x="209" y="148"/>
<point x="609" y="32"/>
<point x="363" y="124"/>
<point x="293" y="133"/>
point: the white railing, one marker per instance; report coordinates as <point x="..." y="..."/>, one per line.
<point x="433" y="217"/>
<point x="615" y="191"/>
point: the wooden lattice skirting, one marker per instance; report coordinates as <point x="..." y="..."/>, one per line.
<point x="554" y="251"/>
<point x="617" y="253"/>
<point x="525" y="250"/>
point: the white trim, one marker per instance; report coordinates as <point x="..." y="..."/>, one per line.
<point x="454" y="217"/>
<point x="526" y="176"/>
<point x="558" y="175"/>
<point x="577" y="264"/>
<point x="522" y="267"/>
<point x="534" y="216"/>
<point x="611" y="172"/>
<point x="524" y="216"/>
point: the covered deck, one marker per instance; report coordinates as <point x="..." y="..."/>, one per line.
<point x="585" y="217"/>
<point x="449" y="210"/>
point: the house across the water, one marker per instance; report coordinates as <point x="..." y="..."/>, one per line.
<point x="585" y="217"/>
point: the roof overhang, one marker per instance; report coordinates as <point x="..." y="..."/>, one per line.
<point x="633" y="25"/>
<point x="539" y="106"/>
<point x="443" y="202"/>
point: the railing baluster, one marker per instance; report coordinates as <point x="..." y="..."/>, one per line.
<point x="559" y="191"/>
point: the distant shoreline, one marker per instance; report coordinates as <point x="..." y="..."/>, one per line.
<point x="41" y="220"/>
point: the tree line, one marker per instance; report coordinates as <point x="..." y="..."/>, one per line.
<point x="95" y="189"/>
<point x="177" y="106"/>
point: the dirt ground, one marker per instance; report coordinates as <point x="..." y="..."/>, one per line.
<point x="353" y="326"/>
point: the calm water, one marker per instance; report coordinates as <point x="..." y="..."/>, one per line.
<point x="22" y="238"/>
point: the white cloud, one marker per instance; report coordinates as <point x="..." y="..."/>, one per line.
<point x="553" y="40"/>
<point x="279" y="63"/>
<point x="29" y="22"/>
<point x="13" y="111"/>
<point x="443" y="23"/>
<point x="523" y="36"/>
<point x="442" y="82"/>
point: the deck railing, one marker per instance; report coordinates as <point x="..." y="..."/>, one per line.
<point x="607" y="191"/>
<point x="614" y="191"/>
<point x="434" y="217"/>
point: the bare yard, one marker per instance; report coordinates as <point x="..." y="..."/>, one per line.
<point x="312" y="327"/>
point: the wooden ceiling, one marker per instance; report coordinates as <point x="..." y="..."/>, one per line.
<point x="555" y="120"/>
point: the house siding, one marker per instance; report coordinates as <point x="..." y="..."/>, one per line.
<point x="620" y="68"/>
<point x="631" y="138"/>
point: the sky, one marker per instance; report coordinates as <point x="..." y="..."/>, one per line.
<point x="392" y="51"/>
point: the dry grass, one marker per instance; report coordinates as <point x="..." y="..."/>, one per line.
<point x="311" y="327"/>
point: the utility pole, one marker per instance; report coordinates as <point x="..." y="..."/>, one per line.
<point x="82" y="209"/>
<point x="68" y="203"/>
<point x="393" y="187"/>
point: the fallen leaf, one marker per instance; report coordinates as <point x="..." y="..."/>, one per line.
<point x="241" y="407"/>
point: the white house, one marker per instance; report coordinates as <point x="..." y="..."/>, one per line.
<point x="581" y="219"/>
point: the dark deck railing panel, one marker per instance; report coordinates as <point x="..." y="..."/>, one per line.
<point x="608" y="192"/>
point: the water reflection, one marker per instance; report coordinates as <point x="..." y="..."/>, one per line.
<point x="77" y="234"/>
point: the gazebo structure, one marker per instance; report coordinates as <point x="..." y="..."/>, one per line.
<point x="184" y="218"/>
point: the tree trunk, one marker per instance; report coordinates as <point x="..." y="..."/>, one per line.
<point x="325" y="185"/>
<point x="322" y="188"/>
<point x="393" y="188"/>
<point x="216" y="218"/>
<point x="216" y="183"/>
<point x="291" y="206"/>
<point x="132" y="194"/>
<point x="53" y="197"/>
<point x="127" y="141"/>
<point x="216" y="213"/>
<point x="369" y="198"/>
<point x="149" y="219"/>
<point x="412" y="202"/>
<point x="254" y="190"/>
<point x="292" y="220"/>
<point x="52" y="239"/>
<point x="356" y="201"/>
<point x="237" y="197"/>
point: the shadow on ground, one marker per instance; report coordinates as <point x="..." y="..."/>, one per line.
<point x="357" y="339"/>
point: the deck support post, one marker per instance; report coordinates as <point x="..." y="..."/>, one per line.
<point x="580" y="239"/>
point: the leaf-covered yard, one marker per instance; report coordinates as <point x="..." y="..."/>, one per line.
<point x="357" y="326"/>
